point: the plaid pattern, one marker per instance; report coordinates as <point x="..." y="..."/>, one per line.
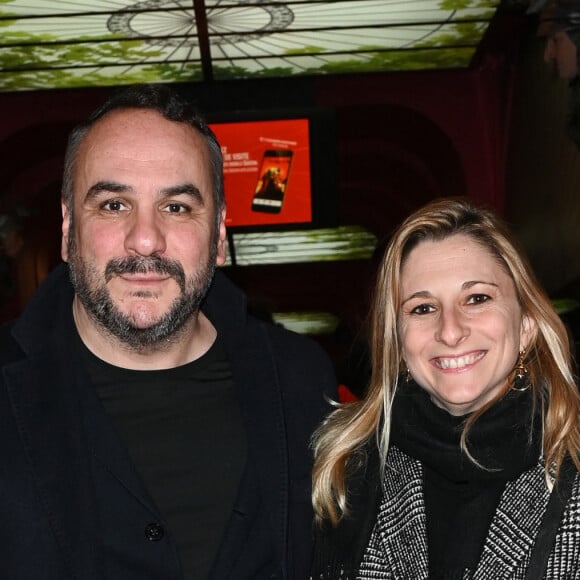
<point x="397" y="549"/>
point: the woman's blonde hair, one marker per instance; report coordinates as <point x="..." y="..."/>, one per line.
<point x="338" y="443"/>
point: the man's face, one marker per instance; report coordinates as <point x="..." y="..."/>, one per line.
<point x="142" y="243"/>
<point x="561" y="52"/>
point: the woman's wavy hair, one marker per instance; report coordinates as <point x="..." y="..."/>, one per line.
<point x="338" y="443"/>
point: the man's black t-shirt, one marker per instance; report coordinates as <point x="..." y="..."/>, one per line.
<point x="184" y="432"/>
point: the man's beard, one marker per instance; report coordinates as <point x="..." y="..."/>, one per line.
<point x="91" y="288"/>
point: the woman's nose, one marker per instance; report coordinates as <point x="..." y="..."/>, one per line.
<point x="452" y="328"/>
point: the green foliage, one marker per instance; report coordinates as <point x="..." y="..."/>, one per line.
<point x="402" y="60"/>
<point x="122" y="75"/>
<point x="172" y="73"/>
<point x="461" y="33"/>
<point x="4" y="13"/>
<point x="304" y="50"/>
<point x="27" y="78"/>
<point x="89" y="63"/>
<point x="371" y="62"/>
<point x="76" y="65"/>
<point x="238" y="72"/>
<point x="455" y="4"/>
<point x="466" y="4"/>
<point x="26" y="53"/>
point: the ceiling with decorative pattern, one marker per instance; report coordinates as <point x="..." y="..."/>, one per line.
<point x="83" y="43"/>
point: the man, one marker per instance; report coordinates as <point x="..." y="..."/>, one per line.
<point x="560" y="26"/>
<point x="561" y="52"/>
<point x="149" y="428"/>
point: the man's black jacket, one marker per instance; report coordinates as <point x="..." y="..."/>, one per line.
<point x="61" y="460"/>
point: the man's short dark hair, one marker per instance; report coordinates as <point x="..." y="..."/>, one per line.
<point x="560" y="16"/>
<point x="168" y="103"/>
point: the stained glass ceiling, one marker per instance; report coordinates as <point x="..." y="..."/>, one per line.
<point x="81" y="43"/>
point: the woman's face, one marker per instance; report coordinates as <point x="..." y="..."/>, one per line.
<point x="460" y="322"/>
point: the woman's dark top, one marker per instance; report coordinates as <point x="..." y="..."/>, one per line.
<point x="460" y="496"/>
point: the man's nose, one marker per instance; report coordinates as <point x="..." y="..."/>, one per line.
<point x="549" y="51"/>
<point x="145" y="235"/>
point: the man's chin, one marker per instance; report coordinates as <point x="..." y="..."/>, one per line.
<point x="143" y="316"/>
<point x="139" y="325"/>
<point x="145" y="328"/>
<point x="143" y="335"/>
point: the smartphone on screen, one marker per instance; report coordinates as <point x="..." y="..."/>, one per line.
<point x="272" y="180"/>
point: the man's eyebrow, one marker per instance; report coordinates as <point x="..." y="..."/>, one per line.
<point x="184" y="189"/>
<point x="106" y="187"/>
<point x="115" y="187"/>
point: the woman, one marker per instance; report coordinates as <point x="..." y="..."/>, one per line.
<point x="446" y="469"/>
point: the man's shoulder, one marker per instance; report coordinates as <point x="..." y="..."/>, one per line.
<point x="226" y="308"/>
<point x="9" y="349"/>
<point x="303" y="365"/>
<point x="41" y="318"/>
<point x="292" y="344"/>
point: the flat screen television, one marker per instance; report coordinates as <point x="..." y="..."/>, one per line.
<point x="279" y="168"/>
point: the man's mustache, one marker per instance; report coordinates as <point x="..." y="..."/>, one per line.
<point x="146" y="265"/>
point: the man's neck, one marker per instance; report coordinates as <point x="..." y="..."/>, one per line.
<point x="189" y="343"/>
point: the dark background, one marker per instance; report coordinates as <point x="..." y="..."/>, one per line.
<point x="494" y="132"/>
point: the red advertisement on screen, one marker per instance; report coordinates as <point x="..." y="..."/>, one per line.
<point x="266" y="171"/>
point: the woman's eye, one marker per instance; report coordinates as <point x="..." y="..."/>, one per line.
<point x="422" y="309"/>
<point x="477" y="299"/>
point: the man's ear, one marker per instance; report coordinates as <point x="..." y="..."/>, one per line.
<point x="222" y="245"/>
<point x="65" y="230"/>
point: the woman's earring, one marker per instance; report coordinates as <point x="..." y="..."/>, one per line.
<point x="521" y="376"/>
<point x="408" y="376"/>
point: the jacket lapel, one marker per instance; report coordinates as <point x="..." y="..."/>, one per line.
<point x="47" y="411"/>
<point x="261" y="404"/>
<point x="110" y="451"/>
<point x="402" y="521"/>
<point x="514" y="526"/>
<point x="266" y="475"/>
<point x="63" y="426"/>
<point x="259" y="394"/>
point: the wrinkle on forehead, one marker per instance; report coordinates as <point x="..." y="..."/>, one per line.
<point x="130" y="146"/>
